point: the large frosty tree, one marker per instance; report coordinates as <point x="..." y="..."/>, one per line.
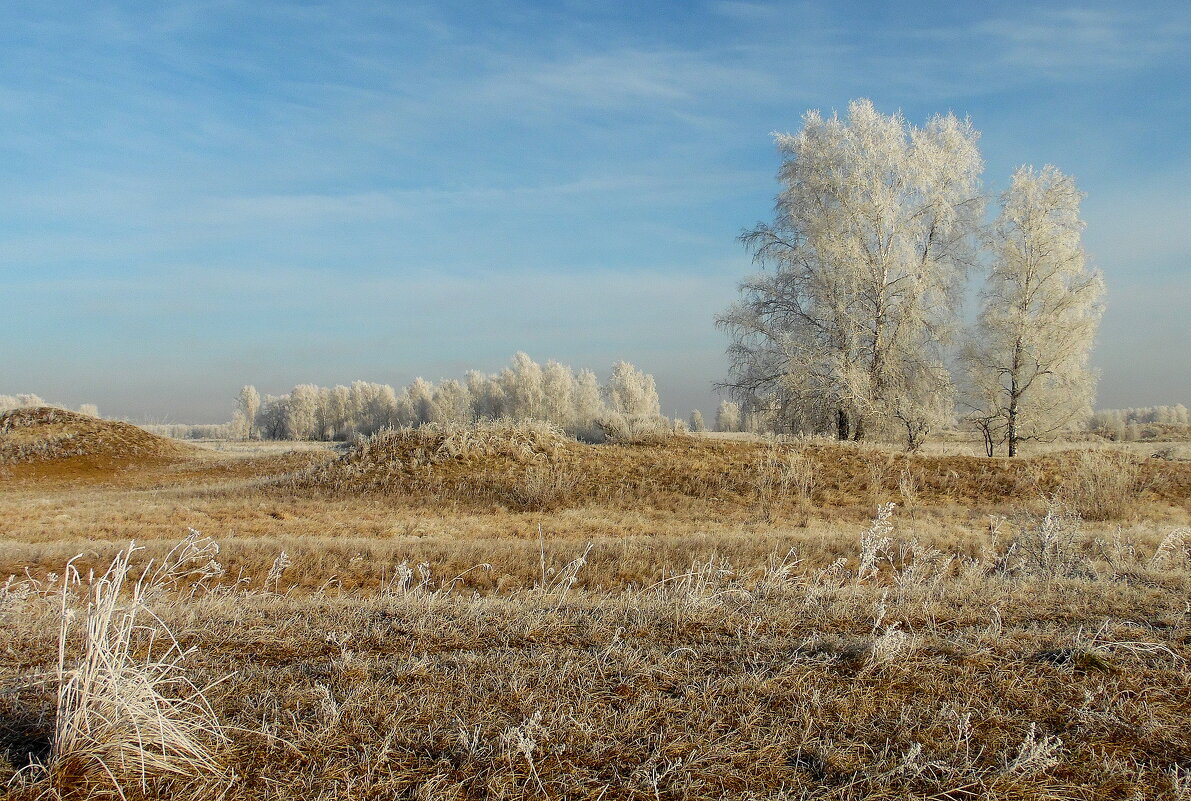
<point x="864" y="263"/>
<point x="1027" y="358"/>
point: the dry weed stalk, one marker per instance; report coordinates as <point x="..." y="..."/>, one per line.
<point x="1049" y="547"/>
<point x="875" y="543"/>
<point x="1174" y="550"/>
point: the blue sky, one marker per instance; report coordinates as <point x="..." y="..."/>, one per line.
<point x="194" y="196"/>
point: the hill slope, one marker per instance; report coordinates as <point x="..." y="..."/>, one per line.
<point x="43" y="435"/>
<point x="523" y="467"/>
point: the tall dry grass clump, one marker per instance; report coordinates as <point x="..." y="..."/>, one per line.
<point x="543" y="487"/>
<point x="435" y="443"/>
<point x="635" y="429"/>
<point x="781" y="478"/>
<point x="1102" y="485"/>
<point x="127" y="716"/>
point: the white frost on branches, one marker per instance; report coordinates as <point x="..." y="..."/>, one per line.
<point x="1027" y="357"/>
<point x="866" y="260"/>
<point x="573" y="400"/>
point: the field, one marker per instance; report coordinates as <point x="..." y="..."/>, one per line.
<point x="502" y="612"/>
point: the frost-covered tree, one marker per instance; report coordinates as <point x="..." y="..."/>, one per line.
<point x="632" y="392"/>
<point x="727" y="416"/>
<point x="248" y="404"/>
<point x="416" y="404"/>
<point x="303" y="415"/>
<point x="524" y="388"/>
<point x="271" y="419"/>
<point x="1114" y="420"/>
<point x="696" y="424"/>
<point x="589" y="403"/>
<point x="863" y="271"/>
<point x="487" y="397"/>
<point x="1027" y="358"/>
<point x="451" y="403"/>
<point x="558" y="391"/>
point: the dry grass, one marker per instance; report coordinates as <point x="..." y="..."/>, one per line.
<point x="719" y="476"/>
<point x="1102" y="485"/>
<point x="672" y="630"/>
<point x="45" y="434"/>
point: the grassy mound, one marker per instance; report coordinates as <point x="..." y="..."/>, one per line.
<point x="473" y="460"/>
<point x="532" y="466"/>
<point x="45" y="435"/>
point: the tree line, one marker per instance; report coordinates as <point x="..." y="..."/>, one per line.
<point x="574" y="400"/>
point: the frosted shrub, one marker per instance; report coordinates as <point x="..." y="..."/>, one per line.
<point x="875" y="543"/>
<point x="1035" y="754"/>
<point x="20" y="402"/>
<point x="281" y="564"/>
<point x="1174" y="550"/>
<point x="1050" y="546"/>
<point x="704" y="587"/>
<point x="628" y="429"/>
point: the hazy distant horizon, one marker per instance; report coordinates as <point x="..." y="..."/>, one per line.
<point x="203" y="196"/>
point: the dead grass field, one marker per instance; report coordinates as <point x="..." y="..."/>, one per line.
<point x="523" y="616"/>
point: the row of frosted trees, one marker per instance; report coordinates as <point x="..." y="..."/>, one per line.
<point x="1136" y="423"/>
<point x="28" y="401"/>
<point x="854" y="324"/>
<point x="1176" y="415"/>
<point x="573" y="400"/>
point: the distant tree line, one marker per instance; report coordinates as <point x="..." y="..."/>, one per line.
<point x="574" y="400"/>
<point x="1137" y="423"/>
<point x="28" y="401"/>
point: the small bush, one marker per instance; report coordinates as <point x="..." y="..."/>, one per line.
<point x="1049" y="547"/>
<point x="543" y="488"/>
<point x="635" y="429"/>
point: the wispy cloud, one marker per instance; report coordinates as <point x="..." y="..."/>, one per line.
<point x="1060" y="42"/>
<point x="362" y="153"/>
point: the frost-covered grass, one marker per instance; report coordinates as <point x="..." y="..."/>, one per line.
<point x="642" y="643"/>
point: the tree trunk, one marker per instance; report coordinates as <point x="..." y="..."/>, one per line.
<point x="841" y="425"/>
<point x="1014" y="395"/>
